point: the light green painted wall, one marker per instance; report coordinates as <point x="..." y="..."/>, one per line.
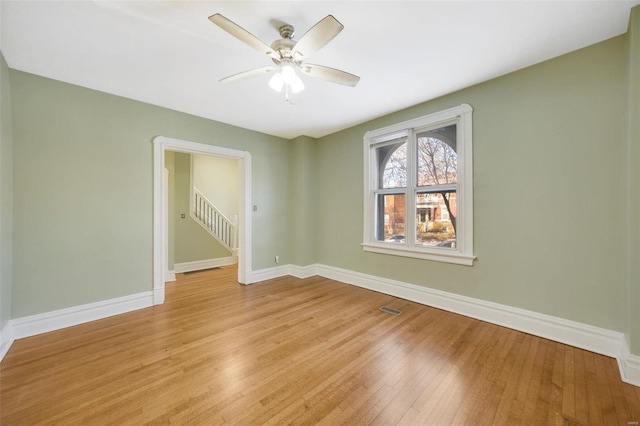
<point x="169" y="164"/>
<point x="632" y="157"/>
<point x="191" y="242"/>
<point x="303" y="200"/>
<point x="217" y="178"/>
<point x="548" y="191"/>
<point x="83" y="190"/>
<point x="6" y="195"/>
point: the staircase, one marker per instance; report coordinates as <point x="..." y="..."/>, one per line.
<point x="210" y="218"/>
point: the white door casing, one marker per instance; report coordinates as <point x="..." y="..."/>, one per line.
<point x="160" y="243"/>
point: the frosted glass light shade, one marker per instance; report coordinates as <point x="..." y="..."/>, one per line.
<point x="297" y="85"/>
<point x="287" y="78"/>
<point x="288" y="73"/>
<point x="276" y="82"/>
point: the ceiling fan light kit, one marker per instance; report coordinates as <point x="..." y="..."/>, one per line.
<point x="289" y="55"/>
<point x="286" y="78"/>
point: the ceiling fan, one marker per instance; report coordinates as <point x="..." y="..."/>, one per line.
<point x="288" y="55"/>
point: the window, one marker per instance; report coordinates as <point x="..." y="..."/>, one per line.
<point x="419" y="188"/>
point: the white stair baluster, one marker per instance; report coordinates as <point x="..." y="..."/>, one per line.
<point x="214" y="221"/>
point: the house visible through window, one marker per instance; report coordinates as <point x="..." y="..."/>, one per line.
<point x="418" y="188"/>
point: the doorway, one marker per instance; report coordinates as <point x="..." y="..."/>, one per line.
<point x="160" y="243"/>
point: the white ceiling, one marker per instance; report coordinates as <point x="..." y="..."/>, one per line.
<point x="167" y="53"/>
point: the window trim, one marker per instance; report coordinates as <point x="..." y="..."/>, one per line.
<point x="463" y="253"/>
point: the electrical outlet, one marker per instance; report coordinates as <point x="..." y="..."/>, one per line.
<point x="277" y="259"/>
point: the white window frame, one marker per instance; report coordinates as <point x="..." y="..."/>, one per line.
<point x="462" y="254"/>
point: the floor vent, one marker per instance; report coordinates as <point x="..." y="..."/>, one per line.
<point x="390" y="310"/>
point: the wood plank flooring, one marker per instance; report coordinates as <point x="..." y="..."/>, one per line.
<point x="310" y="351"/>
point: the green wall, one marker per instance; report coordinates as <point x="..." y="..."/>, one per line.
<point x="548" y="222"/>
<point x="218" y="179"/>
<point x="83" y="190"/>
<point x="302" y="198"/>
<point x="632" y="157"/>
<point x="191" y="241"/>
<point x="6" y="195"/>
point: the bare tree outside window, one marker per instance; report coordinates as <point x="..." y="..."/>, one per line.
<point x="419" y="188"/>
<point x="437" y="162"/>
<point x="438" y="165"/>
<point x="394" y="166"/>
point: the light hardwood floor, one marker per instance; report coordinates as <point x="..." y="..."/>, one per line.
<point x="304" y="352"/>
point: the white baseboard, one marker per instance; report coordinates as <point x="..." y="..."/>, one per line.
<point x="629" y="366"/>
<point x="55" y="320"/>
<point x="594" y="339"/>
<point x="591" y="338"/>
<point x="169" y="276"/>
<point x="158" y="296"/>
<point x="6" y="339"/>
<point x="303" y="271"/>
<point x="267" y="274"/>
<point x="573" y="333"/>
<point x="32" y="325"/>
<point x="199" y="265"/>
<point x="281" y="271"/>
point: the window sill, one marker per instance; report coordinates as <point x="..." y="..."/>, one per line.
<point x="448" y="256"/>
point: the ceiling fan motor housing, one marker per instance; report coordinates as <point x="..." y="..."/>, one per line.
<point x="286" y="31"/>
<point x="284" y="47"/>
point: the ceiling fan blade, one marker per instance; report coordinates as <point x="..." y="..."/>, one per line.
<point x="243" y="35"/>
<point x="330" y="74"/>
<point x="248" y="74"/>
<point x="317" y="37"/>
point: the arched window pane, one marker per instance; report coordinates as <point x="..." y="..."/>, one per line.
<point x="392" y="165"/>
<point x="437" y="158"/>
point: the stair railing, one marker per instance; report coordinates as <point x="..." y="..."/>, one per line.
<point x="214" y="221"/>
